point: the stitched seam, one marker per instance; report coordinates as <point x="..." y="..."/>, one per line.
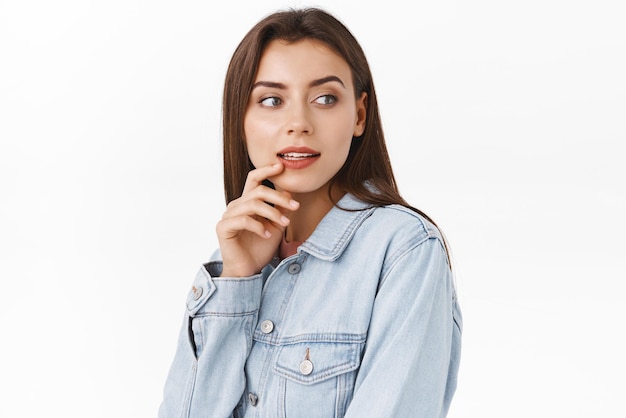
<point x="397" y="259"/>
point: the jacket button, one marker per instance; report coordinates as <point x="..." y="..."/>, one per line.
<point x="267" y="326"/>
<point x="252" y="398"/>
<point x="197" y="292"/>
<point x="306" y="367"/>
<point x="294" y="268"/>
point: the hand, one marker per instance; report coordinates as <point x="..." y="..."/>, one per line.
<point x="250" y="230"/>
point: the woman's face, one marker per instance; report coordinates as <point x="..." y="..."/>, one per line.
<point x="302" y="112"/>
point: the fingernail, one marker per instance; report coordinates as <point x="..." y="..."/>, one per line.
<point x="284" y="219"/>
<point x="294" y="204"/>
<point x="268" y="234"/>
<point x="276" y="165"/>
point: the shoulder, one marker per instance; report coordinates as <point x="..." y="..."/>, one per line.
<point x="393" y="220"/>
<point x="400" y="222"/>
<point x="396" y="233"/>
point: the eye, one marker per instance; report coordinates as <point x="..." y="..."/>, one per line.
<point x="271" y="101"/>
<point x="326" y="99"/>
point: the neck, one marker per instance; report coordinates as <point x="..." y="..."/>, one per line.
<point x="313" y="207"/>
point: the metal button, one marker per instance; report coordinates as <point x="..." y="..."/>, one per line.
<point x="306" y="367"/>
<point x="253" y="398"/>
<point x="294" y="268"/>
<point x="267" y="326"/>
<point x="197" y="292"/>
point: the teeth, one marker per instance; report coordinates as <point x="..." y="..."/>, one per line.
<point x="296" y="155"/>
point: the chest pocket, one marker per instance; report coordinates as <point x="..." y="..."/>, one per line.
<point x="317" y="379"/>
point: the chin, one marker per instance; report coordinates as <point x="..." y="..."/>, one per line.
<point x="297" y="186"/>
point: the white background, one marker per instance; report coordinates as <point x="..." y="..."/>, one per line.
<point x="505" y="122"/>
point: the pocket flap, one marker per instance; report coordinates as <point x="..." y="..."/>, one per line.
<point x="326" y="360"/>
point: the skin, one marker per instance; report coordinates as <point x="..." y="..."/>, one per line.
<point x="303" y="96"/>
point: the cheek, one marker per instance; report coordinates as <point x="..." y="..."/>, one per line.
<point x="254" y="153"/>
<point x="346" y="127"/>
<point x="258" y="152"/>
<point x="258" y="130"/>
<point x="346" y="121"/>
<point x="345" y="152"/>
<point x="251" y="132"/>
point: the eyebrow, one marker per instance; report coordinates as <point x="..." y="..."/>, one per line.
<point x="326" y="79"/>
<point x="314" y="83"/>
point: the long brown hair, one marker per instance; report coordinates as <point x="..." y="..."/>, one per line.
<point x="367" y="172"/>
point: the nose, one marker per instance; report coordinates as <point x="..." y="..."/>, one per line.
<point x="299" y="121"/>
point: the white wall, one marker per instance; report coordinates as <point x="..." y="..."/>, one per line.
<point x="505" y="122"/>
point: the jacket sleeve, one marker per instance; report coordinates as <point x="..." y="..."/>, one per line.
<point x="410" y="363"/>
<point x="207" y="378"/>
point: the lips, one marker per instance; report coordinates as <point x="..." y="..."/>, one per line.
<point x="298" y="157"/>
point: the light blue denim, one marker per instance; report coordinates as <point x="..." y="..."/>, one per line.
<point x="362" y="322"/>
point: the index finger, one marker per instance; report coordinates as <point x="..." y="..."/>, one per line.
<point x="256" y="176"/>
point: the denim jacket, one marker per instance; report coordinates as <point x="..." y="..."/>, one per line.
<point x="362" y="321"/>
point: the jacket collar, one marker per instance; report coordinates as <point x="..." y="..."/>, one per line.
<point x="336" y="229"/>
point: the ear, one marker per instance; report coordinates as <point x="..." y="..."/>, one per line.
<point x="361" y="114"/>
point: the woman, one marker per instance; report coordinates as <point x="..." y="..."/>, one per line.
<point x="329" y="296"/>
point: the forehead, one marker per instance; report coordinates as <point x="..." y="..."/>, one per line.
<point x="304" y="59"/>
